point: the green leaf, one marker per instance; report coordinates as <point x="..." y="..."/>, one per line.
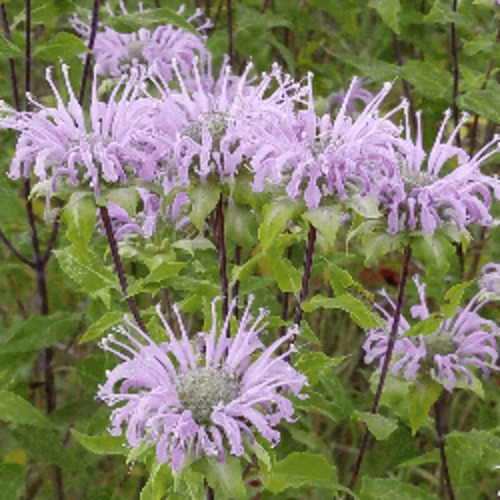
<point x="454" y="296"/>
<point x="472" y="457"/>
<point x="191" y="246"/>
<point x="188" y="485"/>
<point x="12" y="481"/>
<point x="431" y="457"/>
<point x="378" y="244"/>
<point x="8" y="49"/>
<point x="336" y="409"/>
<point x="366" y="206"/>
<point x="204" y="198"/>
<point x="38" y="332"/>
<point x="388" y="10"/>
<point x="241" y="227"/>
<point x="359" y="313"/>
<point x="287" y="277"/>
<point x="104" y="323"/>
<point x="224" y="477"/>
<point x="102" y="445"/>
<point x="87" y="270"/>
<point x="158" y="274"/>
<point x="149" y="18"/>
<point x="428" y="80"/>
<point x="301" y="469"/>
<point x="383" y="489"/>
<point x="158" y="482"/>
<point x="422" y="394"/>
<point x="425" y="326"/>
<point x="325" y="220"/>
<point x="276" y="215"/>
<point x="381" y="427"/>
<point x="315" y="364"/>
<point x="379" y="71"/>
<point x="11" y="208"/>
<point x="484" y="102"/>
<point x="62" y="45"/>
<point x="80" y="216"/>
<point x="16" y="410"/>
<point x="125" y="197"/>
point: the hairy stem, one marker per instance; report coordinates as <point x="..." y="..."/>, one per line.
<point x="406" y="87"/>
<point x="88" y="57"/>
<point x="119" y="268"/>
<point x="441" y="430"/>
<point x="454" y="55"/>
<point x="209" y="492"/>
<point x="387" y="360"/>
<point x="230" y="31"/>
<point x="236" y="287"/>
<point x="221" y="255"/>
<point x="306" y="274"/>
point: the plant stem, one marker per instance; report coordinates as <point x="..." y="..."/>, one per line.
<point x="454" y="55"/>
<point x="119" y="267"/>
<point x="306" y="274"/>
<point x="387" y="360"/>
<point x="439" y="407"/>
<point x="209" y="492"/>
<point x="230" y="31"/>
<point x="88" y="57"/>
<point x="236" y="287"/>
<point x="221" y="254"/>
<point x="406" y="87"/>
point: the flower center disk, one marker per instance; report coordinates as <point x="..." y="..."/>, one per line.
<point x="201" y="390"/>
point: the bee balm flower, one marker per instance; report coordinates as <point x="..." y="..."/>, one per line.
<point x="461" y="342"/>
<point x="199" y="396"/>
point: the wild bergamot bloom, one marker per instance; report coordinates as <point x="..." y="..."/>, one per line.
<point x="109" y="144"/>
<point x="116" y="53"/>
<point x="199" y="396"/>
<point x="458" y="344"/>
<point x="318" y="157"/>
<point x="445" y="186"/>
<point x="209" y="130"/>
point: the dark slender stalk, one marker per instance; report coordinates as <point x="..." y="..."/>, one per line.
<point x="387" y="360"/>
<point x="209" y="492"/>
<point x="217" y="16"/>
<point x="306" y="274"/>
<point x="454" y="55"/>
<point x="221" y="253"/>
<point x="230" y="31"/>
<point x="88" y="57"/>
<point x="441" y="430"/>
<point x="285" y="301"/>
<point x="119" y="267"/>
<point x="406" y="87"/>
<point x="236" y="287"/>
<point x="14" y="251"/>
<point x="52" y="239"/>
<point x="12" y="69"/>
<point x="27" y="54"/>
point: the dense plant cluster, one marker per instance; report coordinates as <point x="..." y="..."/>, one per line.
<point x="244" y="216"/>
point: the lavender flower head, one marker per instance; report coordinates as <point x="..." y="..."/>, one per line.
<point x="423" y="198"/>
<point x="212" y="126"/>
<point x="461" y="342"/>
<point x="318" y="157"/>
<point x="116" y="53"/>
<point x="202" y="396"/>
<point x="62" y="142"/>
